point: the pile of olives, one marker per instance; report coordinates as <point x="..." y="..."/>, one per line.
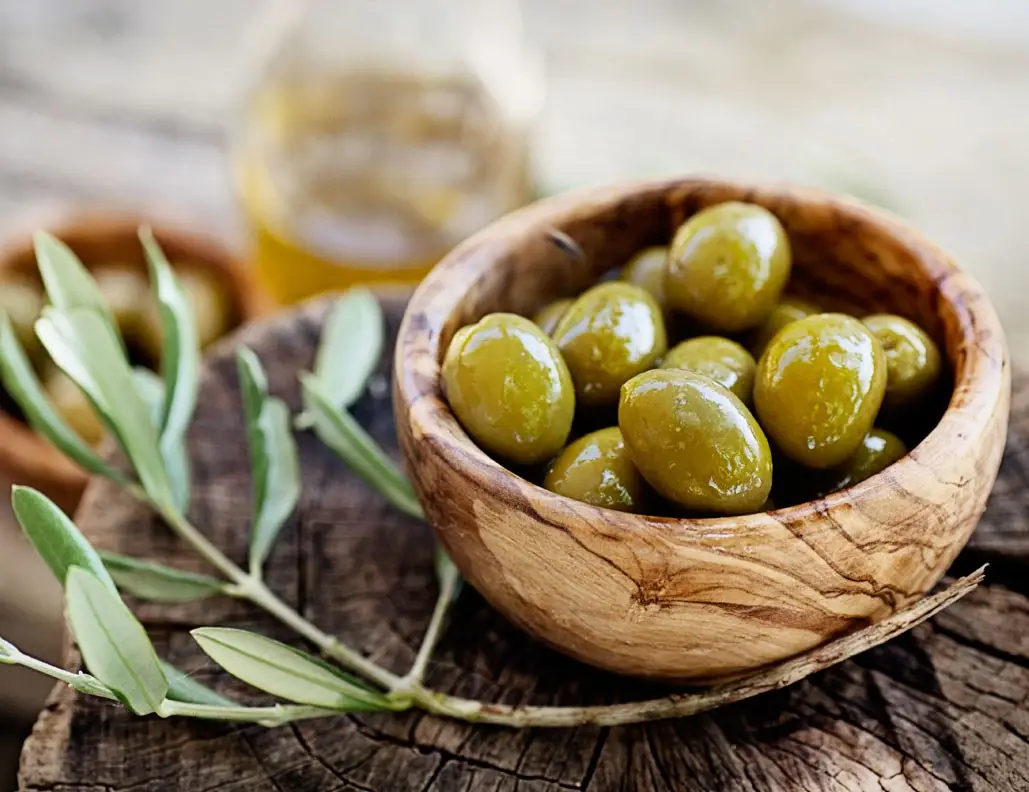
<point x="770" y="382"/>
<point x="127" y="293"/>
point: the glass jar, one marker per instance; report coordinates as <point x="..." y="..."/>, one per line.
<point x="374" y="135"/>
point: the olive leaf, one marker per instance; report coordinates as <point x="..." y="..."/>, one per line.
<point x="157" y="582"/>
<point x="56" y="538"/>
<point x="20" y="381"/>
<point x="114" y="645"/>
<point x="174" y="452"/>
<point x="274" y="460"/>
<point x="88" y="352"/>
<point x="182" y="687"/>
<point x="287" y="672"/>
<point x="340" y="432"/>
<point x="350" y="347"/>
<point x="180" y="349"/>
<point x="68" y="283"/>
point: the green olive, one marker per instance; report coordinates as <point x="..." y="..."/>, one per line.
<point x="598" y="470"/>
<point x="73" y="406"/>
<point x="647" y="270"/>
<point x="819" y="387"/>
<point x="21" y="298"/>
<point x="510" y="389"/>
<point x="878" y="450"/>
<point x="913" y="360"/>
<point x="611" y="333"/>
<point x="724" y="361"/>
<point x="549" y="315"/>
<point x="127" y="293"/>
<point x="789" y="309"/>
<point x="695" y="442"/>
<point x="727" y="266"/>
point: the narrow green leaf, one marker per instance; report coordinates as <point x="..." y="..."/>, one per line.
<point x="158" y="583"/>
<point x="20" y="381"/>
<point x="88" y="352"/>
<point x="180" y="349"/>
<point x="174" y="453"/>
<point x="253" y="384"/>
<point x="274" y="463"/>
<point x="8" y="651"/>
<point x="341" y="433"/>
<point x="447" y="575"/>
<point x="68" y="283"/>
<point x="182" y="687"/>
<point x="282" y="479"/>
<point x="114" y="645"/>
<point x="56" y="538"/>
<point x="286" y="672"/>
<point x="350" y="348"/>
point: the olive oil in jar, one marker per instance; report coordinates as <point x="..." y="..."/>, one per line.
<point x="372" y="177"/>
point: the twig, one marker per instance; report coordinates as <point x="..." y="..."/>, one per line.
<point x="679" y="705"/>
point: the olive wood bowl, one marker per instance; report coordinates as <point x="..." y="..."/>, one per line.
<point x="702" y="599"/>
<point x="106" y="237"/>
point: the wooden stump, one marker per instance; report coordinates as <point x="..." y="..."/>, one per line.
<point x="941" y="708"/>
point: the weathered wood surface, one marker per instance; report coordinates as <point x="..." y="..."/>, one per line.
<point x="124" y="103"/>
<point x="942" y="708"/>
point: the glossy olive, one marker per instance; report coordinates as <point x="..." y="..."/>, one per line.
<point x="695" y="442"/>
<point x="21" y="299"/>
<point x="510" y="389"/>
<point x="912" y="359"/>
<point x="788" y="310"/>
<point x="727" y="266"/>
<point x="819" y="386"/>
<point x="127" y="293"/>
<point x="598" y="470"/>
<point x="73" y="406"/>
<point x="611" y="333"/>
<point x="647" y="270"/>
<point x="723" y="360"/>
<point x="878" y="450"/>
<point x="549" y="315"/>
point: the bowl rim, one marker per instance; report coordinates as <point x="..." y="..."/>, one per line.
<point x="980" y="379"/>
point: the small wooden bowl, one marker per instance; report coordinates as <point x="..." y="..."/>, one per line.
<point x="707" y="598"/>
<point x="106" y="238"/>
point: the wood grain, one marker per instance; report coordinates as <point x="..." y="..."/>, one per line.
<point x="942" y="708"/>
<point x="98" y="238"/>
<point x="709" y="598"/>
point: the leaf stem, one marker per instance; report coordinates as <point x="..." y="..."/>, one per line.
<point x="79" y="681"/>
<point x="259" y="594"/>
<point x="678" y="705"/>
<point x="245" y="586"/>
<point x="277" y="715"/>
<point x="445" y="599"/>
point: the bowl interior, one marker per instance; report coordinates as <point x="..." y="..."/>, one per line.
<point x="845" y="255"/>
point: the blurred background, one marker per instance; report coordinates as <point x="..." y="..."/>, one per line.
<point x="242" y="119"/>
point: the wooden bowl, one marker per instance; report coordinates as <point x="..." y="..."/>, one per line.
<point x="700" y="599"/>
<point x="106" y="238"/>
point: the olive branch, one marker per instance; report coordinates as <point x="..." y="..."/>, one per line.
<point x="148" y="415"/>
